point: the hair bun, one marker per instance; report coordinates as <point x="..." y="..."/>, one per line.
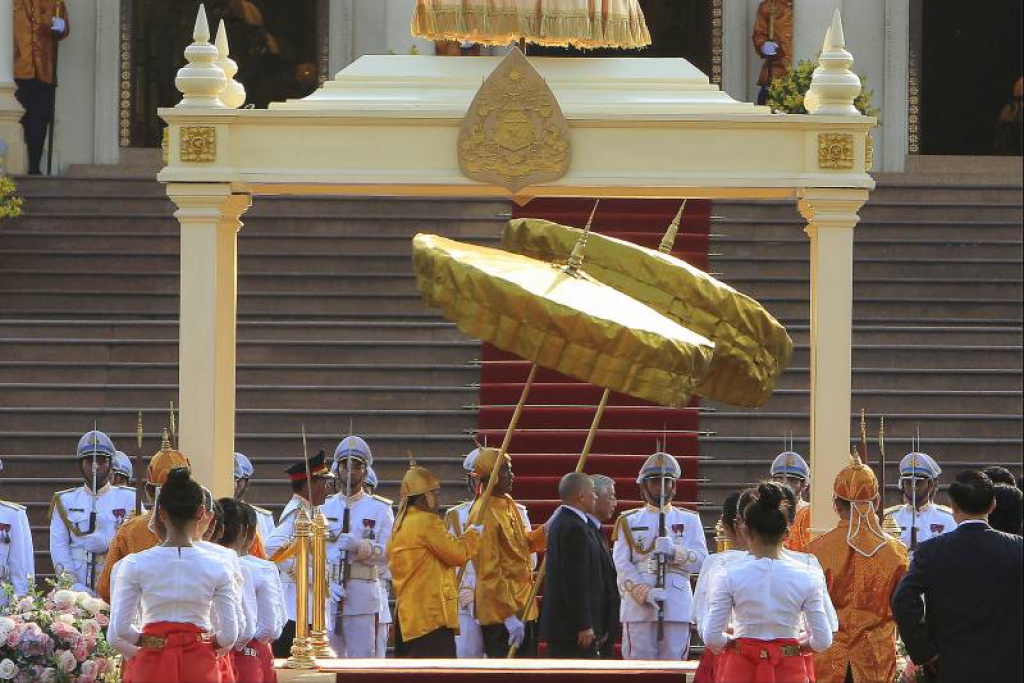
<point x="770" y="495"/>
<point x="178" y="476"/>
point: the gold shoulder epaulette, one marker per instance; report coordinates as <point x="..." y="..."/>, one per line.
<point x="15" y="506"/>
<point x="945" y="508"/>
<point x="262" y="511"/>
<point x="892" y="509"/>
<point x="126" y="488"/>
<point x="383" y="499"/>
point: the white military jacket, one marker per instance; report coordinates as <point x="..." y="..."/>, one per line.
<point x="932" y="520"/>
<point x="17" y="559"/>
<point x="371" y="520"/>
<point x="72" y="549"/>
<point x="264" y="523"/>
<point x="635" y="562"/>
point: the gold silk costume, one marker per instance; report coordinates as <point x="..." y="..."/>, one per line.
<point x="800" y="532"/>
<point x="503" y="564"/>
<point x="774" y="22"/>
<point x="423" y="557"/>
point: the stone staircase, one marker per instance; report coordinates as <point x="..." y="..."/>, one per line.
<point x="937" y="325"/>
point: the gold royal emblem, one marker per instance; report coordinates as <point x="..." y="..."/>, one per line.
<point x="514" y="134"/>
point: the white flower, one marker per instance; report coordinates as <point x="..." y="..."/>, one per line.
<point x="6" y="625"/>
<point x="66" y="662"/>
<point x="63" y="599"/>
<point x="8" y="669"/>
<point x="93" y="605"/>
<point x="68" y="619"/>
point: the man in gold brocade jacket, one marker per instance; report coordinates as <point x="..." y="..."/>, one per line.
<point x="773" y="40"/>
<point x="862" y="565"/>
<point x="504" y="565"/>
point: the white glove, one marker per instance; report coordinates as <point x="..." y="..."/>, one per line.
<point x="337" y="592"/>
<point x="656" y="595"/>
<point x="770" y="48"/>
<point x="81" y="588"/>
<point x="348" y="542"/>
<point x="465" y="597"/>
<point x="665" y="547"/>
<point x="96" y="543"/>
<point x="516" y="631"/>
<point x="479" y="528"/>
<point x="57" y="25"/>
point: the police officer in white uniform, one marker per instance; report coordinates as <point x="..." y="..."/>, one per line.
<point x="120" y="469"/>
<point x="919" y="482"/>
<point x="244" y="470"/>
<point x="638" y="547"/>
<point x="470" y="641"/>
<point x="791" y="469"/>
<point x="355" y="554"/>
<point x="17" y="558"/>
<point x="83" y="520"/>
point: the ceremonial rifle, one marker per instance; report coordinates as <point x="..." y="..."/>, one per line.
<point x="662" y="560"/>
<point x="346" y="521"/>
<point x="881" y="482"/>
<point x="90" y="579"/>
<point x="138" y="463"/>
<point x="913" y="490"/>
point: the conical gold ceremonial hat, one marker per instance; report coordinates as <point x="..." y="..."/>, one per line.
<point x="564" y="321"/>
<point x="751" y="347"/>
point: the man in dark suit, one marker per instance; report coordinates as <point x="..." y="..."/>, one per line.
<point x="604" y="512"/>
<point x="573" y="609"/>
<point x="958" y="609"/>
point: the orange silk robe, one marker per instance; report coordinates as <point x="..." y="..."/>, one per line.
<point x="33" y="39"/>
<point x="134" y="536"/>
<point x="503" y="564"/>
<point x="861" y="589"/>
<point x="780" y="31"/>
<point x="800" y="532"/>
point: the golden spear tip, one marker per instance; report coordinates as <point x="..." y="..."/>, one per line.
<point x="669" y="240"/>
<point x="165" y="443"/>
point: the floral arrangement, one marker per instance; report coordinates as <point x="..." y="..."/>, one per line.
<point x="56" y="638"/>
<point x="10" y="203"/>
<point x="786" y="94"/>
<point x="906" y="670"/>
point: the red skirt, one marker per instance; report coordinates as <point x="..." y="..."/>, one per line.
<point x="226" y="668"/>
<point x="762" y="661"/>
<point x="247" y="664"/>
<point x="186" y="657"/>
<point x="266" y="657"/>
<point x="706" y="667"/>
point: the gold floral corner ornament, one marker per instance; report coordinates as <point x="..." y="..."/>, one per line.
<point x="514" y="133"/>
<point x="869" y="153"/>
<point x="165" y="145"/>
<point x="198" y="144"/>
<point x="835" y="151"/>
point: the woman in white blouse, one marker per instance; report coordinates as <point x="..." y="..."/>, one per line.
<point x="175" y="588"/>
<point x="766" y="596"/>
<point x="270" y="610"/>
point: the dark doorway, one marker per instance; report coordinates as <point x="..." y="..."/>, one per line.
<point x="970" y="61"/>
<point x="679" y="28"/>
<point x="275" y="44"/>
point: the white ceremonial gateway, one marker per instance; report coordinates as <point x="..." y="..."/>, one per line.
<point x="636" y="551"/>
<point x="73" y="548"/>
<point x="17" y="557"/>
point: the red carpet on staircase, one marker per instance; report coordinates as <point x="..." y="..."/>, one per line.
<point x="559" y="410"/>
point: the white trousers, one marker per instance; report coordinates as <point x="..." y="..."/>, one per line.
<point x="640" y="640"/>
<point x="383" y="629"/>
<point x="358" y="639"/>
<point x="469" y="644"/>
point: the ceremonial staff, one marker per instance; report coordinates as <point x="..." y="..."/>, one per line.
<point x="138" y="463"/>
<point x="91" y="574"/>
<point x="346" y="522"/>
<point x="881" y="478"/>
<point x="662" y="560"/>
<point x="53" y="105"/>
<point x="913" y="490"/>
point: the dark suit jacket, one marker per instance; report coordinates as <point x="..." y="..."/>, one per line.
<point x="574" y="581"/>
<point x="961" y="600"/>
<point x="612" y="628"/>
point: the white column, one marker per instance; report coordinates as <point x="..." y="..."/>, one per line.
<point x="831" y="215"/>
<point x="15" y="158"/>
<point x="810" y="17"/>
<point x="891" y="138"/>
<point x="210" y="219"/>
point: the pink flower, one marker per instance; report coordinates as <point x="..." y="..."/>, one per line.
<point x="13" y="638"/>
<point x="91" y="627"/>
<point x="66" y="661"/>
<point x="102" y="619"/>
<point x="90" y="669"/>
<point x="25" y="605"/>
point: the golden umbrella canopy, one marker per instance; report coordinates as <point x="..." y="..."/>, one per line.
<point x="562" y="319"/>
<point x="751" y="347"/>
<point x="580" y="23"/>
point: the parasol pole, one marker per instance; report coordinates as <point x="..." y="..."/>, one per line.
<point x="173" y="428"/>
<point x="580" y="464"/>
<point x="138" y="469"/>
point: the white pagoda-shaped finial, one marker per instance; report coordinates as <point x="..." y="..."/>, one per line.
<point x="834" y="86"/>
<point x="233" y="95"/>
<point x="201" y="80"/>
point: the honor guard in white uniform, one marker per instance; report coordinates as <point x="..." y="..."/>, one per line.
<point x="919" y="482"/>
<point x="470" y="641"/>
<point x="654" y="566"/>
<point x="280" y="544"/>
<point x="120" y="469"/>
<point x="83" y="520"/>
<point x="791" y="469"/>
<point x="358" y="528"/>
<point x="243" y="473"/>
<point x="17" y="558"/>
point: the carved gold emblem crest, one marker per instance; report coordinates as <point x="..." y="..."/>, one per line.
<point x="835" y="151"/>
<point x="514" y="134"/>
<point x="198" y="144"/>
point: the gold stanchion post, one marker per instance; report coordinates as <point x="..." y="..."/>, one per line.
<point x="302" y="652"/>
<point x="318" y="637"/>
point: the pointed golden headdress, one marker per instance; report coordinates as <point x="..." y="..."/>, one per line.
<point x="857" y="484"/>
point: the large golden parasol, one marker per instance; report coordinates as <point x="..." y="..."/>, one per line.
<point x="579" y="23"/>
<point x="751" y="347"/>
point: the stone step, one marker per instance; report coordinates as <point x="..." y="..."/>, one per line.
<point x="943" y="421"/>
<point x="937" y="269"/>
<point x="58" y="186"/>
<point x="926" y="379"/>
<point x="881" y="212"/>
<point x="723" y="447"/>
<point x="989" y="288"/>
<point x="923" y="249"/>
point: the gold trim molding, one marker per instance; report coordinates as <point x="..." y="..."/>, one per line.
<point x="198" y="144"/>
<point x="869" y="152"/>
<point x="835" y="151"/>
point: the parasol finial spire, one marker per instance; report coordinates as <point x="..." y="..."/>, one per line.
<point x="669" y="240"/>
<point x="576" y="257"/>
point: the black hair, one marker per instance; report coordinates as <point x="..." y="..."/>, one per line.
<point x="842" y="505"/>
<point x="217" y="525"/>
<point x="180" y="496"/>
<point x="767" y="515"/>
<point x="233" y="518"/>
<point x="1008" y="514"/>
<point x="1000" y="475"/>
<point x="729" y="510"/>
<point x="790" y="495"/>
<point x="747" y="496"/>
<point x="973" y="492"/>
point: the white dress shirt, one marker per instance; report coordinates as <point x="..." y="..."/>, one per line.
<point x="766" y="598"/>
<point x="269" y="605"/>
<point x="182" y="585"/>
<point x="932" y="520"/>
<point x="17" y="559"/>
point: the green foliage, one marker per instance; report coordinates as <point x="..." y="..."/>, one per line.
<point x="10" y="203"/>
<point x="786" y="94"/>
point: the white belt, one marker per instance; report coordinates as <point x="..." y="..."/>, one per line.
<point x="83" y="555"/>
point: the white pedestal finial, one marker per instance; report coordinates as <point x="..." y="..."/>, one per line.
<point x="201" y="80"/>
<point x="233" y="95"/>
<point x="834" y="86"/>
